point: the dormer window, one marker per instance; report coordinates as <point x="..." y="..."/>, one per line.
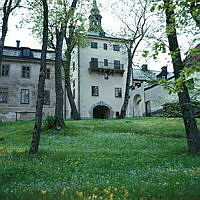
<point x="26" y="52"/>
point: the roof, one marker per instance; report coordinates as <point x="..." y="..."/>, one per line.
<point x="26" y="53"/>
<point x="104" y="36"/>
<point x="144" y="75"/>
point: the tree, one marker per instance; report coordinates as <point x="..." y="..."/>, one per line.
<point x="73" y="35"/>
<point x="8" y="7"/>
<point x="192" y="132"/>
<point x="40" y="95"/>
<point x="135" y="29"/>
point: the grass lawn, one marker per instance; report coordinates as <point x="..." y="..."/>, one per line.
<point x="141" y="158"/>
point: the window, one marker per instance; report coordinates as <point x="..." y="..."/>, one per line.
<point x="4" y="70"/>
<point x="25" y="72"/>
<point x="105" y="46"/>
<point x="94" y="63"/>
<point x="94" y="45"/>
<point x="26" y="52"/>
<point x="46" y="97"/>
<point x="138" y="85"/>
<point x="95" y="91"/>
<point x="48" y="73"/>
<point x="105" y="62"/>
<point x="24" y="96"/>
<point x="116" y="47"/>
<point x="116" y="64"/>
<point x="118" y="92"/>
<point x="3" y="95"/>
<point x="117" y="114"/>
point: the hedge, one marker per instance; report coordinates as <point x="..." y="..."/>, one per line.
<point x="173" y="109"/>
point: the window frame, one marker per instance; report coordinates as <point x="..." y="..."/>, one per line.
<point x="4" y="72"/>
<point x="116" y="47"/>
<point x="4" y="93"/>
<point x="117" y="64"/>
<point x="94" y="45"/>
<point x="48" y="73"/>
<point x="95" y="91"/>
<point x="24" y="100"/>
<point x="25" y="71"/>
<point x="105" y="62"/>
<point x="118" y="92"/>
<point x="105" y="46"/>
<point x="94" y="62"/>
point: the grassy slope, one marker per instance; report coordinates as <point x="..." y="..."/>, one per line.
<point x="143" y="158"/>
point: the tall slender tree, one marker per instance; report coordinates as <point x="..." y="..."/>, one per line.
<point x="40" y="96"/>
<point x="192" y="132"/>
<point x="8" y="7"/>
<point x="135" y="30"/>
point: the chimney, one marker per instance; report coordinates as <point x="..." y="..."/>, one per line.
<point x="17" y="43"/>
<point x="164" y="69"/>
<point x="144" y="67"/>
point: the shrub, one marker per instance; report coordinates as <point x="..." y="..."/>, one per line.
<point x="50" y="122"/>
<point x="173" y="109"/>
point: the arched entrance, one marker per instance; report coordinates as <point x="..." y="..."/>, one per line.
<point x="137" y="106"/>
<point x="101" y="112"/>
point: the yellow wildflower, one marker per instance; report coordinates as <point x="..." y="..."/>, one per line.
<point x="177" y="183"/>
<point x="80" y="194"/>
<point x="63" y="191"/>
<point x="43" y="191"/>
<point x="94" y="196"/>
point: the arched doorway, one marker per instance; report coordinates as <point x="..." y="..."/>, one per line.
<point x="137" y="106"/>
<point x="101" y="112"/>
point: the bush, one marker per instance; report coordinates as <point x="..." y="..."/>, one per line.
<point x="50" y="122"/>
<point x="173" y="109"/>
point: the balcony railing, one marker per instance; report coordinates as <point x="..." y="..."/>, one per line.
<point x="110" y="67"/>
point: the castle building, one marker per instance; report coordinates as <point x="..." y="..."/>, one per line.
<point x="19" y="74"/>
<point x="98" y="78"/>
<point x="99" y="72"/>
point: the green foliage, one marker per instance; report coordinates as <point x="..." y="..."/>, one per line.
<point x="141" y="158"/>
<point x="173" y="109"/>
<point x="50" y="122"/>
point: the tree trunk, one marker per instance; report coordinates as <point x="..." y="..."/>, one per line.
<point x="7" y="9"/>
<point x="74" y="111"/>
<point x="58" y="79"/>
<point x="193" y="135"/>
<point x="3" y="36"/>
<point x="128" y="80"/>
<point x="41" y="82"/>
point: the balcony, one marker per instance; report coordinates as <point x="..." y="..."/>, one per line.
<point x="110" y="68"/>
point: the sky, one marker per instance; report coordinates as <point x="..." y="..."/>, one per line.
<point x="109" y="23"/>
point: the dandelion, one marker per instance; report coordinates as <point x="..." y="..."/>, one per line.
<point x="80" y="194"/>
<point x="43" y="192"/>
<point x="94" y="196"/>
<point x="63" y="191"/>
<point x="20" y="150"/>
<point x="1" y="148"/>
<point x="111" y="196"/>
<point x="126" y="192"/>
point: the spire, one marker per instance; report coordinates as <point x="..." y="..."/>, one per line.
<point x="95" y="19"/>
